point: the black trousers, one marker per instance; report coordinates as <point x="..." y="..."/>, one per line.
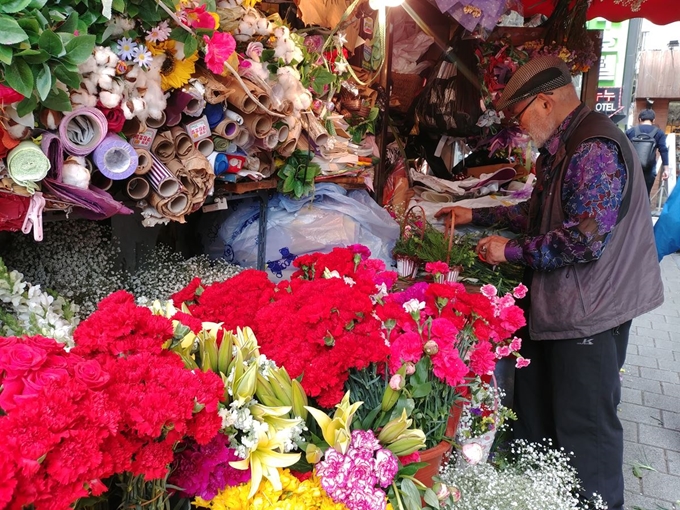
<point x="570" y="393"/>
<point x="650" y="177"/>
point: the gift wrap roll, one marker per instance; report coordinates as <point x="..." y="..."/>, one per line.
<point x="294" y="130"/>
<point x="163" y="146"/>
<point x="205" y="146"/>
<point x="221" y="144"/>
<point x="138" y="188"/>
<point x="115" y="158"/>
<point x="144" y="162"/>
<point x="183" y="144"/>
<point x="282" y="131"/>
<point x="315" y="129"/>
<point x="257" y="125"/>
<point x="238" y="97"/>
<point x="81" y="131"/>
<point x="269" y="142"/>
<point x="27" y="164"/>
<point x="156" y="123"/>
<point x="244" y="139"/>
<point x="174" y="207"/>
<point x="162" y="181"/>
<point x="99" y="180"/>
<point x="227" y="129"/>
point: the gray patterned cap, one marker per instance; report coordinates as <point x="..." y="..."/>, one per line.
<point x="541" y="74"/>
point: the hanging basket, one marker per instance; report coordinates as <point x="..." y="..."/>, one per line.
<point x="407" y="267"/>
<point x="410" y="261"/>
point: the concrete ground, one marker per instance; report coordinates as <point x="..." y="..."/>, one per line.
<point x="650" y="406"/>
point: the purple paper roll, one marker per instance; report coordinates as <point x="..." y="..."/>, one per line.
<point x="82" y="130"/>
<point x="115" y="158"/>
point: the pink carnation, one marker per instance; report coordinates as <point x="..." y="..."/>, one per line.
<point x="489" y="290"/>
<point x="520" y="291"/>
<point x="522" y="362"/>
<point x="406" y="347"/>
<point x="502" y="352"/>
<point x="447" y="365"/>
<point x="437" y="267"/>
<point x="516" y="344"/>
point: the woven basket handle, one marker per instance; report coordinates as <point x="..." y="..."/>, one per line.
<point x="404" y="221"/>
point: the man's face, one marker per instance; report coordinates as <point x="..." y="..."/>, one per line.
<point x="534" y="119"/>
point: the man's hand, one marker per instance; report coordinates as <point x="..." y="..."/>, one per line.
<point x="461" y="215"/>
<point x="492" y="249"/>
<point x="664" y="176"/>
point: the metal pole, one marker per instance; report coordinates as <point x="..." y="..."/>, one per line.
<point x="380" y="176"/>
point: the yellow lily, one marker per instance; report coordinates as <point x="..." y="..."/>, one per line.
<point x="244" y="388"/>
<point x="246" y="341"/>
<point x="336" y="431"/>
<point x="264" y="460"/>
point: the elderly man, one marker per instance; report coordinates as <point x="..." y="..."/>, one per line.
<point x="587" y="243"/>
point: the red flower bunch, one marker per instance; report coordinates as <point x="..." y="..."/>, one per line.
<point x="116" y="403"/>
<point x="233" y="302"/>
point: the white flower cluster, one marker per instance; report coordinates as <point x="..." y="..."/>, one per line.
<point x="539" y="478"/>
<point x="77" y="259"/>
<point x="165" y="272"/>
<point x="81" y="261"/>
<point x="26" y="310"/>
<point x="244" y="430"/>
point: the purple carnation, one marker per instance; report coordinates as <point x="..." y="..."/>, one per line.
<point x="204" y="470"/>
<point x="365" y="440"/>
<point x="386" y="466"/>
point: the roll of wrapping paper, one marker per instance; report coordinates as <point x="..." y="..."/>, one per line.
<point x="99" y="180"/>
<point x="196" y="104"/>
<point x="199" y="172"/>
<point x="161" y="180"/>
<point x="227" y="129"/>
<point x="294" y="131"/>
<point x="269" y="142"/>
<point x="183" y="144"/>
<point x="243" y="139"/>
<point x="286" y="107"/>
<point x="174" y="207"/>
<point x="282" y="130"/>
<point x="214" y="113"/>
<point x="261" y="96"/>
<point x="234" y="116"/>
<point x="221" y="144"/>
<point x="27" y="164"/>
<point x="156" y="123"/>
<point x="215" y="91"/>
<point x="82" y="130"/>
<point x="144" y="162"/>
<point x="237" y="96"/>
<point x="115" y="158"/>
<point x="256" y="124"/>
<point x="205" y="146"/>
<point x="315" y="129"/>
<point x="219" y="162"/>
<point x="138" y="188"/>
<point x="163" y="146"/>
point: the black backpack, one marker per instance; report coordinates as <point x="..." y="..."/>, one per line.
<point x="645" y="146"/>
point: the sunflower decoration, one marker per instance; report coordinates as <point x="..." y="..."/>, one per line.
<point x="176" y="69"/>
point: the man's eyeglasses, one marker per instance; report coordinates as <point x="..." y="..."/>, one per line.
<point x="517" y="118"/>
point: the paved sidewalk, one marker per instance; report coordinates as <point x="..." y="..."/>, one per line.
<point x="650" y="406"/>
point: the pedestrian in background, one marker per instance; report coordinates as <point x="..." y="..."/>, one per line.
<point x="647" y="139"/>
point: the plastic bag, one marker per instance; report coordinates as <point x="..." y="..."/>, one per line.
<point x="331" y="218"/>
<point x="667" y="227"/>
<point x="405" y="54"/>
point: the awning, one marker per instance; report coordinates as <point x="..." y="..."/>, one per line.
<point x="659" y="12"/>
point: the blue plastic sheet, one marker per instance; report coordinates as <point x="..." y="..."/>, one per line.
<point x="667" y="227"/>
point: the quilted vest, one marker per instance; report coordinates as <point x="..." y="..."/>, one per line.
<point x="584" y="299"/>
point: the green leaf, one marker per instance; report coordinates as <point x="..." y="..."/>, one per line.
<point x="298" y="189"/>
<point x="190" y="46"/>
<point x="51" y="43"/>
<point x="70" y="25"/>
<point x="70" y="78"/>
<point x="89" y="18"/>
<point x="431" y="498"/>
<point x="30" y="26"/>
<point x="20" y="77"/>
<point x="267" y="55"/>
<point x="179" y="34"/>
<point x="118" y="5"/>
<point x="323" y="76"/>
<point x="58" y="101"/>
<point x="411" y="494"/>
<point x="6" y="54"/>
<point x="368" y="421"/>
<point x="11" y="32"/>
<point x="410" y="469"/>
<point x="43" y="82"/>
<point x="79" y="48"/>
<point x="288" y="185"/>
<point x="374" y="114"/>
<point x="404" y="403"/>
<point x="12" y="6"/>
<point x="37" y="4"/>
<point x="34" y="56"/>
<point x="27" y="105"/>
<point x="421" y="390"/>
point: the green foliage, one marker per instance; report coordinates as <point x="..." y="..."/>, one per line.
<point x="360" y="126"/>
<point x="296" y="176"/>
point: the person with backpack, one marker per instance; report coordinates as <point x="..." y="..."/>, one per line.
<point x="647" y="139"/>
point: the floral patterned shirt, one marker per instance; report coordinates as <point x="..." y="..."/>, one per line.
<point x="591" y="196"/>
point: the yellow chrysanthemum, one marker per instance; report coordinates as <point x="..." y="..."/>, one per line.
<point x="250" y="3"/>
<point x="293" y="495"/>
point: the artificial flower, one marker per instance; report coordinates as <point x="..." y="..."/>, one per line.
<point x="175" y="72"/>
<point x="218" y="49"/>
<point x="254" y="50"/>
<point x="159" y="33"/>
<point x="142" y="56"/>
<point x="200" y="17"/>
<point x="126" y="48"/>
<point x="8" y="95"/>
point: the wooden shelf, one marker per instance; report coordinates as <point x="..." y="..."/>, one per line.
<point x="270" y="183"/>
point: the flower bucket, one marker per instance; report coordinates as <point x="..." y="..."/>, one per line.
<point x="434" y="457"/>
<point x="453" y="274"/>
<point x="406" y="267"/>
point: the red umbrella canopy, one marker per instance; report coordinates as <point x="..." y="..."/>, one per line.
<point x="659" y="12"/>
